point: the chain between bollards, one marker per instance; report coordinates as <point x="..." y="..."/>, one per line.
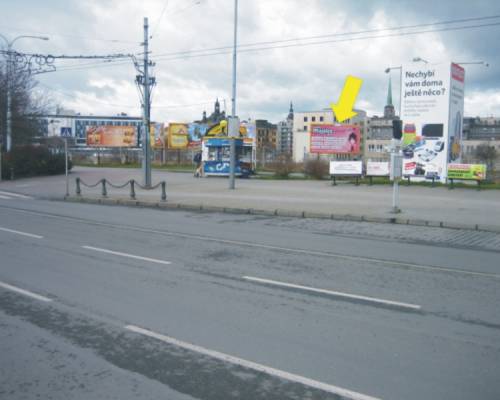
<point x="131" y="182"/>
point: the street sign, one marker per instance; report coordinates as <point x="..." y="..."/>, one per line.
<point x="65" y="132"/>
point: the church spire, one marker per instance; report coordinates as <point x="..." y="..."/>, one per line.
<point x="290" y="112"/>
<point x="389" y="111"/>
<point x="389" y="93"/>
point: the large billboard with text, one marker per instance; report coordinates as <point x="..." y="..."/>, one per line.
<point x="335" y="139"/>
<point x="432" y="103"/>
<point x="111" y="136"/>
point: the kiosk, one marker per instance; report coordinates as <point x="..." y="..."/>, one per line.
<point x="215" y="156"/>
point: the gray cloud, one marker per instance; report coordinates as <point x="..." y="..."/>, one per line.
<point x="311" y="76"/>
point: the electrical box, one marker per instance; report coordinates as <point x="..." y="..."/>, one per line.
<point x="396" y="166"/>
<point x="233" y="124"/>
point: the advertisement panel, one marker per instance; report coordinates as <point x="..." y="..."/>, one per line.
<point x="196" y="132"/>
<point x="111" y="136"/>
<point x="178" y="137"/>
<point x="346" y="168"/>
<point x="156" y="135"/>
<point x="335" y="139"/>
<point x="475" y="172"/>
<point x="456" y="113"/>
<point x="377" y="168"/>
<point x="431" y="110"/>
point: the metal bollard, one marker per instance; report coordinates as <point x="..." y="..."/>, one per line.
<point x="132" y="189"/>
<point x="104" y="192"/>
<point x="78" y="189"/>
<point x="163" y="191"/>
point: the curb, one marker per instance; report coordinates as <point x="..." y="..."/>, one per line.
<point x="164" y="205"/>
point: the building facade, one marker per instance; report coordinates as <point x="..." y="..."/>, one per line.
<point x="379" y="132"/>
<point x="215" y="117"/>
<point x="266" y="140"/>
<point x="285" y="133"/>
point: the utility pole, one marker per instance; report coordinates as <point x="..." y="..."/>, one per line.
<point x="146" y="146"/>
<point x="8" y="138"/>
<point x="234" y="127"/>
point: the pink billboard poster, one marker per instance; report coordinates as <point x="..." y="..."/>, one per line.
<point x="335" y="139"/>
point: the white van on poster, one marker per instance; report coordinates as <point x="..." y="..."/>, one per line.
<point x="432" y="112"/>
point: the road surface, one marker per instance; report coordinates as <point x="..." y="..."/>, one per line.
<point x="109" y="302"/>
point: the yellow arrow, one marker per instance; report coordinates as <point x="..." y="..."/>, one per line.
<point x="343" y="109"/>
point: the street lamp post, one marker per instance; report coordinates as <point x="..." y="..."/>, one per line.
<point x="233" y="128"/>
<point x="8" y="70"/>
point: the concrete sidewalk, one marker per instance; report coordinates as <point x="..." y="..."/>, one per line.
<point x="458" y="208"/>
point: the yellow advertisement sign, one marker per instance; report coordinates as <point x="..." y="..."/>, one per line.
<point x="467" y="171"/>
<point x="111" y="136"/>
<point x="178" y="136"/>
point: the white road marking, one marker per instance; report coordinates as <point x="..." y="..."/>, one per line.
<point x="21" y="233"/>
<point x="335" y="293"/>
<point x="117" y="253"/>
<point x="252" y="365"/>
<point x="21" y="196"/>
<point x="384" y="262"/>
<point x="25" y="292"/>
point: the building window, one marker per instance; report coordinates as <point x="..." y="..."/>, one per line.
<point x="305" y="127"/>
<point x="313" y="119"/>
<point x="305" y="119"/>
<point x="321" y="119"/>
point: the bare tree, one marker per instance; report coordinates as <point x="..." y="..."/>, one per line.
<point x="27" y="104"/>
<point x="488" y="155"/>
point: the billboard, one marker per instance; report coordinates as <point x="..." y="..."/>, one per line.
<point x="156" y="135"/>
<point x="196" y="132"/>
<point x="349" y="168"/>
<point x="432" y="113"/>
<point x="467" y="171"/>
<point x="335" y="139"/>
<point x="178" y="136"/>
<point x="377" y="168"/>
<point x="111" y="136"/>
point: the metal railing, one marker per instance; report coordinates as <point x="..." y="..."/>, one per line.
<point x="133" y="183"/>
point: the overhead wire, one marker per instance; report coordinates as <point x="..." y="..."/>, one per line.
<point x="166" y="106"/>
<point x="208" y="52"/>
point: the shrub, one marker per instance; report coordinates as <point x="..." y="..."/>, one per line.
<point x="32" y="160"/>
<point x="283" y="165"/>
<point x="316" y="168"/>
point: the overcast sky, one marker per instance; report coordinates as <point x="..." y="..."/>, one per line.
<point x="311" y="75"/>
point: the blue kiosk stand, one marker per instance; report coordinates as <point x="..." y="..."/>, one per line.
<point x="215" y="157"/>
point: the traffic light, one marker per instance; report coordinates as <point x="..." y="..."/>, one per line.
<point x="397" y="129"/>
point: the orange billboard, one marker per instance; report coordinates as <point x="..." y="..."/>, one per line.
<point x="111" y="136"/>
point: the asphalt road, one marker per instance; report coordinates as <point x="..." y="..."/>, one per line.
<point x="109" y="302"/>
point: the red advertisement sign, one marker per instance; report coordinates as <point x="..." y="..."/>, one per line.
<point x="335" y="139"/>
<point x="457" y="72"/>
